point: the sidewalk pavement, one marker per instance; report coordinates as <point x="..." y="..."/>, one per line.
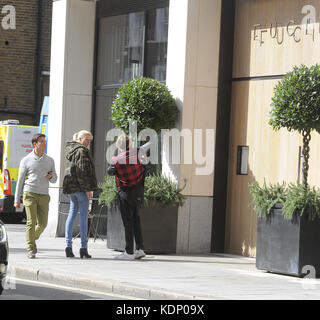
<point x="158" y="277"/>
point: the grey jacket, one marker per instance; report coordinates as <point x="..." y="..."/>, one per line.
<point x="32" y="171"/>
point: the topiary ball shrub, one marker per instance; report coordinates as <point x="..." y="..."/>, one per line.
<point x="146" y="101"/>
<point x="296" y="106"/>
<point x="296" y="101"/>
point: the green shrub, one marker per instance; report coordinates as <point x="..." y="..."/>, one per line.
<point x="302" y="200"/>
<point x="296" y="106"/>
<point x="161" y="189"/>
<point x="297" y="199"/>
<point x="146" y="101"/>
<point x="109" y="194"/>
<point x="264" y="198"/>
<point x="157" y="188"/>
<point x="296" y="101"/>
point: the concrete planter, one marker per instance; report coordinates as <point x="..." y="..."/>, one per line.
<point x="159" y="229"/>
<point x="288" y="246"/>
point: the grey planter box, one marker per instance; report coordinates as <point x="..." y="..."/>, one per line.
<point x="288" y="246"/>
<point x="159" y="229"/>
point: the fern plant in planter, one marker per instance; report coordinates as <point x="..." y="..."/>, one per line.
<point x="265" y="198"/>
<point x="163" y="191"/>
<point x="158" y="188"/>
<point x="288" y="237"/>
<point x="302" y="200"/>
<point x="294" y="200"/>
<point x="109" y="193"/>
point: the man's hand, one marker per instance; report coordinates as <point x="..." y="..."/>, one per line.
<point x="49" y="175"/>
<point x="17" y="205"/>
<point x="89" y="195"/>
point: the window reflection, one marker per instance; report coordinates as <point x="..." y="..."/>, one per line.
<point x="103" y="123"/>
<point x="156" y="44"/>
<point x="131" y="46"/>
<point x="120" y="53"/>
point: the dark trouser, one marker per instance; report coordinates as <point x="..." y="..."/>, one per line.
<point x="130" y="218"/>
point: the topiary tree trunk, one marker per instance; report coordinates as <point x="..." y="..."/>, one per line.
<point x="296" y="106"/>
<point x="306" y="153"/>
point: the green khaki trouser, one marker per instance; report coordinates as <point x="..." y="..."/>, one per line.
<point x="37" y="207"/>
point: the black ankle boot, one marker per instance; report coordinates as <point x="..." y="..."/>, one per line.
<point x="69" y="252"/>
<point x="84" y="253"/>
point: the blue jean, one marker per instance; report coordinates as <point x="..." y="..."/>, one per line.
<point x="78" y="201"/>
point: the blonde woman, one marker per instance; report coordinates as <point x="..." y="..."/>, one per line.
<point x="79" y="182"/>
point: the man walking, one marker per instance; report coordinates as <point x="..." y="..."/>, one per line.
<point x="35" y="171"/>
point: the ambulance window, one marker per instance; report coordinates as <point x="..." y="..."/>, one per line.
<point x="1" y="154"/>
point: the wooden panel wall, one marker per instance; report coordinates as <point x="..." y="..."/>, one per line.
<point x="260" y="50"/>
<point x="273" y="156"/>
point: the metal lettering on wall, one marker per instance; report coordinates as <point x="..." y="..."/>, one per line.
<point x="308" y="27"/>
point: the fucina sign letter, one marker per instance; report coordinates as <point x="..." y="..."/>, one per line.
<point x="308" y="27"/>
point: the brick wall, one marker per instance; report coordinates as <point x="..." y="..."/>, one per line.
<point x="19" y="54"/>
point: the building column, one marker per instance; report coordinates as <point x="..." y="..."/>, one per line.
<point x="71" y="82"/>
<point x="192" y="77"/>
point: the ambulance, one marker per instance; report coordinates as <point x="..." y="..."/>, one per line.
<point x="15" y="143"/>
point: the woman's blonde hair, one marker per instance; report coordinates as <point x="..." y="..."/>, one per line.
<point x="123" y="142"/>
<point x="78" y="135"/>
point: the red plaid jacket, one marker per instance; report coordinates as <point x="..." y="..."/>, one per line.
<point x="129" y="170"/>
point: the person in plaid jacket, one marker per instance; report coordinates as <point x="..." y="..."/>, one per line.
<point x="128" y="169"/>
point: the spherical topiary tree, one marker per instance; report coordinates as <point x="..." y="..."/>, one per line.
<point x="146" y="101"/>
<point x="296" y="106"/>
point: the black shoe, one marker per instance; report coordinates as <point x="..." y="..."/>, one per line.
<point x="84" y="253"/>
<point x="69" y="252"/>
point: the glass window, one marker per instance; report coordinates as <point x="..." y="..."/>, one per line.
<point x="129" y="46"/>
<point x="103" y="123"/>
<point x="120" y="51"/>
<point x="156" y="44"/>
